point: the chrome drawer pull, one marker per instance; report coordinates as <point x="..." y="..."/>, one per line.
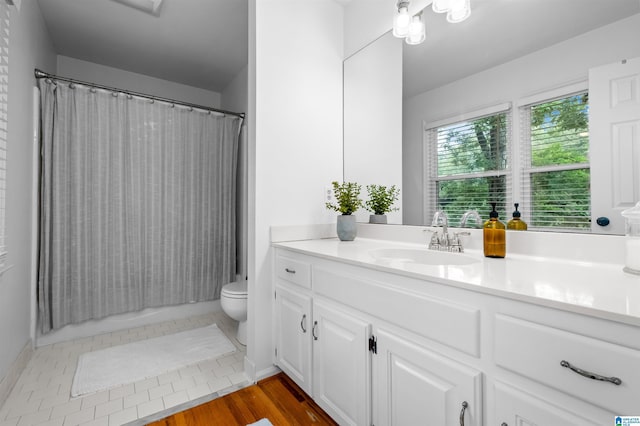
<point x="291" y="271"/>
<point x="464" y="408"/>
<point x="303" y="322"/>
<point x="590" y="375"/>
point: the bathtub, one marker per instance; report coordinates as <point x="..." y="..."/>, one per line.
<point x="125" y="321"/>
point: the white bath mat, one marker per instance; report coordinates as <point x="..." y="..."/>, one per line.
<point x="118" y="365"/>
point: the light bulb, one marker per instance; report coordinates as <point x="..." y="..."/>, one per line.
<point x="417" y="32"/>
<point x="401" y="22"/>
<point x="440" y="6"/>
<point x="459" y="11"/>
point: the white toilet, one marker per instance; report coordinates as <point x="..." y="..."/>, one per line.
<point x="233" y="299"/>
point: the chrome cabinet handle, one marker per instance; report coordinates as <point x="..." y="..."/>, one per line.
<point x="302" y="322"/>
<point x="313" y="330"/>
<point x="590" y="375"/>
<point x="291" y="271"/>
<point x="464" y="408"/>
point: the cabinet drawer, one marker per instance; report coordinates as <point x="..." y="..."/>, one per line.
<point x="293" y="271"/>
<point x="536" y="351"/>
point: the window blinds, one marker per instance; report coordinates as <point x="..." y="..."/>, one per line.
<point x="468" y="166"/>
<point x="555" y="158"/>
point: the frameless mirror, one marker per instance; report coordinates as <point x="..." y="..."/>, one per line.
<point x="506" y="53"/>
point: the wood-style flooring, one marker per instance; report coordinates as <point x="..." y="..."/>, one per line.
<point x="276" y="398"/>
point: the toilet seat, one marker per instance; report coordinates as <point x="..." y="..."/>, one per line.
<point x="235" y="290"/>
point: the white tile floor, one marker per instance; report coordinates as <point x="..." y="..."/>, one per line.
<point x="42" y="394"/>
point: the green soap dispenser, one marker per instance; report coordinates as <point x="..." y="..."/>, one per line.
<point x="516" y="223"/>
<point x="494" y="235"/>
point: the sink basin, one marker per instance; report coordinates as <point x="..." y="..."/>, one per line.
<point x="425" y="257"/>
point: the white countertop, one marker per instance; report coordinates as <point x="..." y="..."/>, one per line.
<point x="596" y="289"/>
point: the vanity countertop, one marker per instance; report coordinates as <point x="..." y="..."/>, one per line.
<point x="596" y="289"/>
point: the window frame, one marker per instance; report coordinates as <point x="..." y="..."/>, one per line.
<point x="525" y="169"/>
<point x="430" y="160"/>
<point x="519" y="152"/>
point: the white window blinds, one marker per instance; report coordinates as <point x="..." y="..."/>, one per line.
<point x="468" y="166"/>
<point x="555" y="158"/>
<point x="4" y="106"/>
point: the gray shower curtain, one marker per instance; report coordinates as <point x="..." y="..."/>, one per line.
<point x="138" y="204"/>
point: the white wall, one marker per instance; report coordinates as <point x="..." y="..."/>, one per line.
<point x="126" y="80"/>
<point x="235" y="97"/>
<point x="30" y="48"/>
<point x="373" y="119"/>
<point x="523" y="77"/>
<point x="295" y="74"/>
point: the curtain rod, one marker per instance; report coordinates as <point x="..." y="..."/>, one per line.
<point x="41" y="74"/>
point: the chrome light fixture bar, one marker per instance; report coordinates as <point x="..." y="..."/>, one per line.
<point x="151" y="7"/>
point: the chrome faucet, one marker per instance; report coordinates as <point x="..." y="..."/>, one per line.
<point x="473" y="214"/>
<point x="440" y="216"/>
<point x="440" y="242"/>
<point x="444" y="242"/>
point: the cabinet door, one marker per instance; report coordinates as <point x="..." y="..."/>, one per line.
<point x="517" y="408"/>
<point x="341" y="371"/>
<point x="415" y="386"/>
<point x="293" y="334"/>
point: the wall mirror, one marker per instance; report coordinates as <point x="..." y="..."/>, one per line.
<point x="506" y="56"/>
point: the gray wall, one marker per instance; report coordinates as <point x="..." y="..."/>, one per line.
<point x="30" y="48"/>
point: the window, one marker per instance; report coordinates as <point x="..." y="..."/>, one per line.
<point x="4" y="106"/>
<point x="556" y="163"/>
<point x="468" y="165"/>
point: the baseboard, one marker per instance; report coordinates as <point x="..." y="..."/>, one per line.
<point x="267" y="372"/>
<point x="13" y="374"/>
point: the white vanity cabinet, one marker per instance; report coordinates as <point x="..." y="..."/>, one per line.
<point x="414" y="385"/>
<point x="403" y="349"/>
<point x="322" y="346"/>
<point x="328" y="341"/>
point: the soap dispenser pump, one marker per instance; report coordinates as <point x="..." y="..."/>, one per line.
<point x="494" y="235"/>
<point x="516" y="223"/>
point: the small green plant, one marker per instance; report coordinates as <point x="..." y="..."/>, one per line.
<point x="347" y="197"/>
<point x="381" y="198"/>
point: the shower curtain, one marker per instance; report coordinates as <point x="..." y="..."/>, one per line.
<point x="138" y="203"/>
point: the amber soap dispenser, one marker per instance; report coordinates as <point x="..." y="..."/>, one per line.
<point x="494" y="235"/>
<point x="516" y="223"/>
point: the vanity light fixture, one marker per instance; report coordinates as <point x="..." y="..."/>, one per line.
<point x="151" y="7"/>
<point x="456" y="10"/>
<point x="402" y="20"/>
<point x="417" y="32"/>
<point x="411" y="28"/>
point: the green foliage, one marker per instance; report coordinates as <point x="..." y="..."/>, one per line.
<point x="381" y="198"/>
<point x="559" y="135"/>
<point x="347" y="196"/>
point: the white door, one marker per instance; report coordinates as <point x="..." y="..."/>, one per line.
<point x="614" y="134"/>
<point x="341" y="373"/>
<point x="517" y="408"/>
<point x="293" y="335"/>
<point x="415" y="386"/>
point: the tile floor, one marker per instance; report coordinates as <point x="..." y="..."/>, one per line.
<point x="42" y="394"/>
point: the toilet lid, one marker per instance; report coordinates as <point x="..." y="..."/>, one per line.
<point x="235" y="289"/>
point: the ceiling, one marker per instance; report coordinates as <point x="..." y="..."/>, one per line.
<point x="204" y="43"/>
<point x="499" y="31"/>
<point x="200" y="43"/>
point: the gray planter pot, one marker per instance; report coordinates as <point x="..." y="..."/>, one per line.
<point x="377" y="218"/>
<point x="347" y="227"/>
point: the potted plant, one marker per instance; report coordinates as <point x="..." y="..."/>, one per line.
<point x="380" y="201"/>
<point x="348" y="201"/>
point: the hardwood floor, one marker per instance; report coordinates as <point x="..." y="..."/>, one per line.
<point x="276" y="398"/>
